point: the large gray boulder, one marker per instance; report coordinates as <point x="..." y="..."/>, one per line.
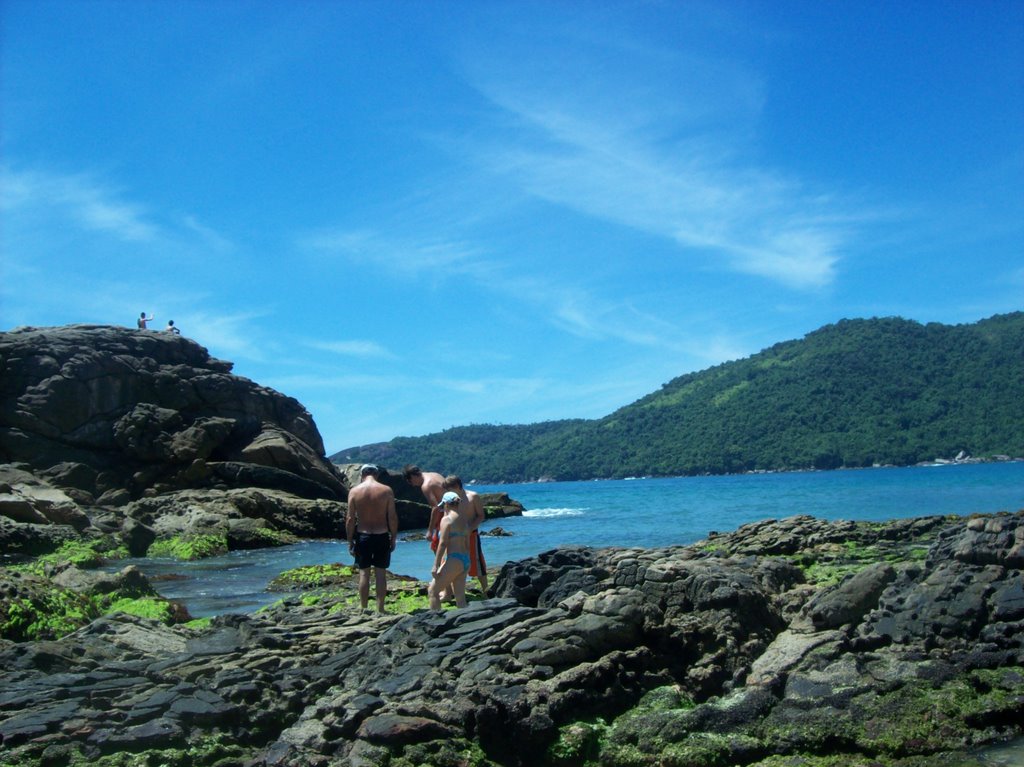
<point x="112" y="430"/>
<point x="146" y="412"/>
<point x="27" y="498"/>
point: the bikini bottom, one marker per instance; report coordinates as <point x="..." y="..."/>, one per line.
<point x="464" y="558"/>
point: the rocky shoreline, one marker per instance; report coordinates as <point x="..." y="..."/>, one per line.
<point x="790" y="642"/>
<point x="787" y="643"/>
<point x="117" y="442"/>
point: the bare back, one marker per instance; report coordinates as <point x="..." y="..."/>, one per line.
<point x="454" y="534"/>
<point x="371" y="508"/>
<point x="476" y="512"/>
<point x="432" y="487"/>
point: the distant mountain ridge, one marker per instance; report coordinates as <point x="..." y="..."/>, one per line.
<point x="856" y="393"/>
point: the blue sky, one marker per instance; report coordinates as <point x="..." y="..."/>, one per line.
<point x="417" y="215"/>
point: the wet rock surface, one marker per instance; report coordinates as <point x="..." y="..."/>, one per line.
<point x="880" y="642"/>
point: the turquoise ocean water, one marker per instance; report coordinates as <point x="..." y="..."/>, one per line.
<point x="631" y="512"/>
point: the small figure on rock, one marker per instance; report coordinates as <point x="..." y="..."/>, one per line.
<point x="143" y="321"/>
<point x="371" y="526"/>
<point x="171" y="328"/>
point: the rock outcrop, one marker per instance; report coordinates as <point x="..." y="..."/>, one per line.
<point x="117" y="414"/>
<point x="117" y="442"/>
<point x="782" y="643"/>
<point x="143" y="436"/>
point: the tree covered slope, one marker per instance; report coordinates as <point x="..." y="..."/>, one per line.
<point x="855" y="393"/>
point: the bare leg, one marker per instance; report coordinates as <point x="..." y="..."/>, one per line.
<point x="432" y="537"/>
<point x="381" y="586"/>
<point x="459" y="588"/>
<point x="364" y="587"/>
<point x="449" y="571"/>
<point x="433" y="595"/>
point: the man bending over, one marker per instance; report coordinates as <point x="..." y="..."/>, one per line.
<point x="431" y="484"/>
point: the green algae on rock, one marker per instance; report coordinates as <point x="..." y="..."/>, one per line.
<point x="189" y="548"/>
<point x="334" y="587"/>
<point x="58" y="593"/>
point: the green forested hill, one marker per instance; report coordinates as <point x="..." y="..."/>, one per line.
<point x="856" y="393"/>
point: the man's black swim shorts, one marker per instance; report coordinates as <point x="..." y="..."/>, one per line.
<point x="373" y="550"/>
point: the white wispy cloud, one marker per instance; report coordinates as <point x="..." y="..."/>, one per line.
<point x="43" y="202"/>
<point x="229" y="336"/>
<point x="207" y="236"/>
<point x="79" y="198"/>
<point x="570" y="306"/>
<point x="638" y="150"/>
<point x="462" y="385"/>
<point x="655" y="146"/>
<point x="753" y="222"/>
<point x="404" y="254"/>
<point x="590" y="314"/>
<point x="353" y="348"/>
<point x="339" y="381"/>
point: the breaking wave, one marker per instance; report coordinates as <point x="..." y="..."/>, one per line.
<point x="554" y="513"/>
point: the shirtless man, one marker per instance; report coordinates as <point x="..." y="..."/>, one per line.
<point x="143" y="321"/>
<point x="472" y="508"/>
<point x="431" y="484"/>
<point x="371" y="526"/>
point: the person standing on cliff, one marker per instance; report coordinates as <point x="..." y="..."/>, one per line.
<point x="371" y="526"/>
<point x="472" y="509"/>
<point x="431" y="484"/>
<point x="451" y="559"/>
<point x="143" y="321"/>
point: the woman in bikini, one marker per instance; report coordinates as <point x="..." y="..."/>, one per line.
<point x="451" y="562"/>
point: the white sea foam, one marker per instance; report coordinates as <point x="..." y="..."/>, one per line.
<point x="554" y="513"/>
